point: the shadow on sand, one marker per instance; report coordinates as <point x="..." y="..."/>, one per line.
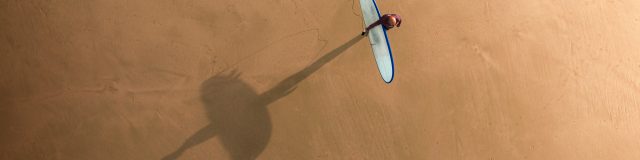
<point x="238" y="114"/>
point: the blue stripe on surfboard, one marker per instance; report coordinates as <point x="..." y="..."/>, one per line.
<point x="384" y="30"/>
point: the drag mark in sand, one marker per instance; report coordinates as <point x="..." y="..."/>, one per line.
<point x="234" y="65"/>
<point x="354" y="10"/>
<point x="485" y="56"/>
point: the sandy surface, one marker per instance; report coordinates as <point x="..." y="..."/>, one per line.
<point x="287" y="79"/>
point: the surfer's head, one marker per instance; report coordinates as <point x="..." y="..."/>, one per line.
<point x="392" y="22"/>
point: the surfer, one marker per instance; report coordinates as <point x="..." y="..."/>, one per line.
<point x="387" y="21"/>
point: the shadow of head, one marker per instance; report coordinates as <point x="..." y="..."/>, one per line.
<point x="226" y="89"/>
<point x="236" y="116"/>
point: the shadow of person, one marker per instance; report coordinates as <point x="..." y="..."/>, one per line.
<point x="238" y="114"/>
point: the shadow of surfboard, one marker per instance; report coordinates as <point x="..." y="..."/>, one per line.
<point x="238" y="115"/>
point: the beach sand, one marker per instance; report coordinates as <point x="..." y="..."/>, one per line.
<point x="286" y="79"/>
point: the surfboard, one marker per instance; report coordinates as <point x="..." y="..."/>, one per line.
<point x="378" y="39"/>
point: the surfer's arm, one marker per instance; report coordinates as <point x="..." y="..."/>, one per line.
<point x="374" y="24"/>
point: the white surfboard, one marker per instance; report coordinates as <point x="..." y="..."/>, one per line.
<point x="378" y="39"/>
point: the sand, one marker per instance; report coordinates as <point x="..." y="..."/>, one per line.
<point x="286" y="79"/>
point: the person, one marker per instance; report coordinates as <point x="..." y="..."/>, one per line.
<point x="388" y="21"/>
